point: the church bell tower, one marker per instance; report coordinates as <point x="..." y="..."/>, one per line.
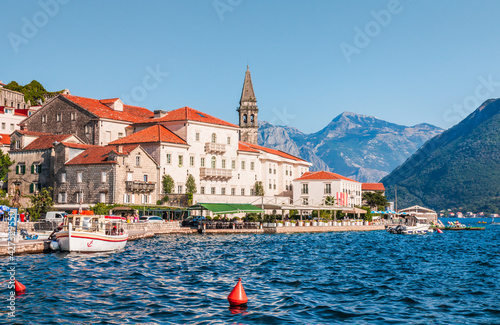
<point x="248" y="112"/>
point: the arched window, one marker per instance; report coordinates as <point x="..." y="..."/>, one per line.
<point x="252" y="119"/>
<point x="245" y="119"/>
<point x="213" y="162"/>
<point x="214" y="138"/>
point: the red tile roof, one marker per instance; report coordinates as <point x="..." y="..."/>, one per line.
<point x="99" y="155"/>
<point x="5" y="139"/>
<point x="21" y="112"/>
<point x="98" y="107"/>
<point x="188" y="114"/>
<point x="77" y="145"/>
<point x="46" y="141"/>
<point x="323" y="175"/>
<point x="26" y="132"/>
<point x="372" y="187"/>
<point x="242" y="146"/>
<point x="155" y="133"/>
<point x="271" y="151"/>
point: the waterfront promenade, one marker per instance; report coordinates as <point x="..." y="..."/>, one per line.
<point x="146" y="230"/>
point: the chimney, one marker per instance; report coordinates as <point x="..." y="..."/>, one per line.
<point x="159" y="113"/>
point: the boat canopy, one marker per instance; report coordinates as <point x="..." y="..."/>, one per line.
<point x="226" y="208"/>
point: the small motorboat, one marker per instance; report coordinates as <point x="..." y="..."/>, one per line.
<point x="90" y="233"/>
<point x="413" y="226"/>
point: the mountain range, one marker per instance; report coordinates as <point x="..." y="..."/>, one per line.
<point x="458" y="169"/>
<point x="361" y="147"/>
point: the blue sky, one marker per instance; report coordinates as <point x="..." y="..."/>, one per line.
<point x="407" y="62"/>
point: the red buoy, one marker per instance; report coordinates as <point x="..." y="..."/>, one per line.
<point x="439" y="231"/>
<point x="19" y="287"/>
<point x="237" y="297"/>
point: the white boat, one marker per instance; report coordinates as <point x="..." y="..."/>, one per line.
<point x="413" y="225"/>
<point x="91" y="233"/>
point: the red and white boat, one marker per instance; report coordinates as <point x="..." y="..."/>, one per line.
<point x="91" y="233"/>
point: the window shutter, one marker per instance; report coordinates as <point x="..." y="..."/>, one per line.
<point x="133" y="198"/>
<point x="32" y="188"/>
<point x="59" y="198"/>
<point x="33" y="168"/>
<point x="17" y="169"/>
<point x="125" y="198"/>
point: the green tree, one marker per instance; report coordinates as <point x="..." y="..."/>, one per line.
<point x="190" y="184"/>
<point x="374" y="199"/>
<point x="101" y="208"/>
<point x="41" y="202"/>
<point x="167" y="183"/>
<point x="258" y="188"/>
<point x="5" y="163"/>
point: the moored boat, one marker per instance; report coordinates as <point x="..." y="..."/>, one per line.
<point x="413" y="225"/>
<point x="91" y="233"/>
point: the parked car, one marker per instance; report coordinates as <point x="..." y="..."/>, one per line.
<point x="150" y="219"/>
<point x="54" y="216"/>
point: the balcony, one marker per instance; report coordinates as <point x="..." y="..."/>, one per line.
<point x="137" y="186"/>
<point x="211" y="147"/>
<point x="215" y="173"/>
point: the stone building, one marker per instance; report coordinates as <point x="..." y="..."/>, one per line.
<point x="248" y="112"/>
<point x="123" y="174"/>
<point x="35" y="160"/>
<point x="11" y="98"/>
<point x="96" y="122"/>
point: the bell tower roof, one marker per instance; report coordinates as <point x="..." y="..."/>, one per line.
<point x="247" y="94"/>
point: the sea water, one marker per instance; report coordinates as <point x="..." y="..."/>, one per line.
<point x="321" y="278"/>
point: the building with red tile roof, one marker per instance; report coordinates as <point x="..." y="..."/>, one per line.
<point x="185" y="114"/>
<point x="152" y="134"/>
<point x="5" y="142"/>
<point x="313" y="188"/>
<point x="95" y="121"/>
<point x="373" y="187"/>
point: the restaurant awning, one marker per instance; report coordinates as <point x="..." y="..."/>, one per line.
<point x="226" y="208"/>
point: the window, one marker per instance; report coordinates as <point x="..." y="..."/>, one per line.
<point x="286" y="172"/>
<point x="137" y="161"/>
<point x="242" y="192"/>
<point x="36" y="168"/>
<point x="328" y="188"/>
<point x="252" y="165"/>
<point x="79" y="177"/>
<point x="191" y="161"/>
<point x="197" y="136"/>
<point x="63" y="177"/>
<point x="35" y="187"/>
<point x="103" y="177"/>
<point x="58" y="117"/>
<point x="145" y="178"/>
<point x="79" y="197"/>
<point x="169" y="158"/>
<point x="179" y="189"/>
<point x="305" y="188"/>
<point x="223" y="191"/>
<point x="18" y="144"/>
<point x="202" y="162"/>
<point x="212" y="190"/>
<point x="243" y="165"/>
<point x="305" y="201"/>
<point x="44" y="118"/>
<point x="202" y="190"/>
<point x="274" y="185"/>
<point x="21" y="169"/>
<point x="251" y="192"/>
<point x="180" y="161"/>
<point x="127" y="198"/>
<point x="233" y="164"/>
<point x="144" y="198"/>
<point x="290" y="172"/>
<point x="11" y="126"/>
<point x="233" y="191"/>
<point x="62" y="197"/>
<point x="102" y="197"/>
<point x="270" y="185"/>
<point x="88" y="129"/>
<point x="214" y="162"/>
<point x="223" y="163"/>
<point x="72" y="116"/>
<point x="274" y="171"/>
<point x="252" y="119"/>
<point x="270" y="170"/>
<point x="214" y="138"/>
<point x="3" y="125"/>
<point x="245" y="119"/>
<point x="286" y="187"/>
<point x="129" y="176"/>
<point x="228" y="140"/>
<point x="120" y="135"/>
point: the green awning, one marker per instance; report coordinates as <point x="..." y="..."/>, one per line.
<point x="226" y="208"/>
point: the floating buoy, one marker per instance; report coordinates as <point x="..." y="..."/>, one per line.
<point x="19" y="287"/>
<point x="237" y="297"/>
<point x="54" y="245"/>
<point x="439" y="231"/>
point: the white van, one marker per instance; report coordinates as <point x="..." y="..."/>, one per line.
<point x="54" y="216"/>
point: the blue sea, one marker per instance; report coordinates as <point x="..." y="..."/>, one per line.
<point x="324" y="278"/>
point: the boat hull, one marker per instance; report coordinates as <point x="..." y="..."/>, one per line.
<point x="89" y="242"/>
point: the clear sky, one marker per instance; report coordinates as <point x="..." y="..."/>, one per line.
<point x="407" y="62"/>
